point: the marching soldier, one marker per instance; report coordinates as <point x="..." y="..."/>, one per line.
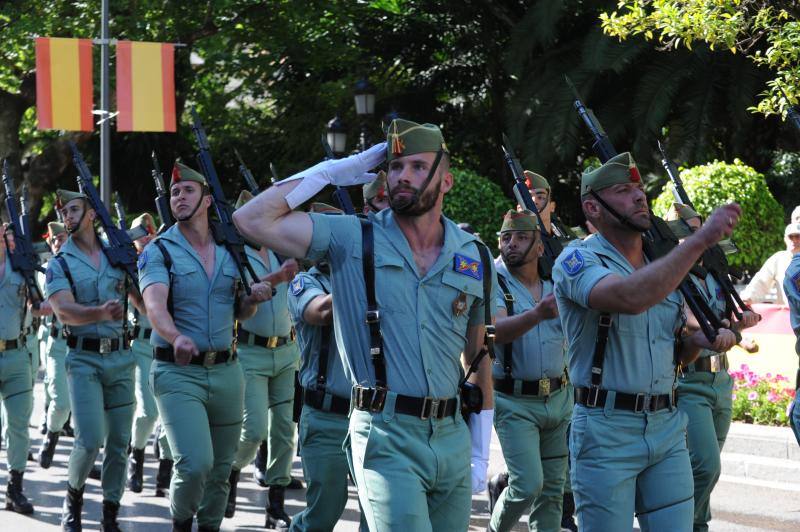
<point x="325" y="397"/>
<point x="190" y="285"/>
<point x="533" y="403"/>
<point x="705" y="387"/>
<point x="269" y="357"/>
<point x="16" y="384"/>
<point x="413" y="293"/>
<point x="623" y="316"/>
<point x="375" y="197"/>
<point x="146" y="413"/>
<point x="57" y="408"/>
<point x="89" y="298"/>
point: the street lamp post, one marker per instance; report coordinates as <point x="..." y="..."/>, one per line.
<point x="337" y="136"/>
<point x="364" y="96"/>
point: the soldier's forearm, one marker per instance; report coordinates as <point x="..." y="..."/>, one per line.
<point x="508" y="329"/>
<point x="77" y="314"/>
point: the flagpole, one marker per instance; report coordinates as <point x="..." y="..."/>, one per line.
<point x="105" y="124"/>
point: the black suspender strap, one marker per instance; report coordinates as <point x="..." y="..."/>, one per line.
<point x="168" y="265"/>
<point x="68" y="274"/>
<point x="373" y="316"/>
<point x="508" y="349"/>
<point x="324" y="351"/>
<point x="598" y="360"/>
<point x="488" y="335"/>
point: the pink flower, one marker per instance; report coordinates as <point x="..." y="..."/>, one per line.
<point x="745" y="367"/>
<point x="772" y="397"/>
<point x="752" y="396"/>
<point x="769" y="375"/>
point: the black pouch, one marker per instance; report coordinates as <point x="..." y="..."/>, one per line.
<point x="471" y="399"/>
<point x="297" y="406"/>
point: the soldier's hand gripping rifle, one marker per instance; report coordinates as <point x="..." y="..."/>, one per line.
<point x="340" y="193"/>
<point x="223" y="229"/>
<point x="247" y="175"/>
<point x="119" y="249"/>
<point x="714" y="259"/>
<point x="162" y="198"/>
<point x="659" y="239"/>
<point x="552" y="247"/>
<point x="23" y="258"/>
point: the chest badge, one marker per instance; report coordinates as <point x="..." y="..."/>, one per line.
<point x="460" y="304"/>
<point x="121" y="286"/>
<point x="467" y="266"/>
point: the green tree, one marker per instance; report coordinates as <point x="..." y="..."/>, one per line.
<point x="759" y="233"/>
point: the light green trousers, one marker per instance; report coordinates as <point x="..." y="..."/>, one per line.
<point x="201" y="411"/>
<point x="533" y="436"/>
<point x="706" y="399"/>
<point x="55" y="379"/>
<point x="17" y="396"/>
<point x="101" y="394"/>
<point x="268" y="397"/>
<point x="146" y="415"/>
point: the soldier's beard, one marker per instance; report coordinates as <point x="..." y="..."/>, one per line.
<point x="415" y="204"/>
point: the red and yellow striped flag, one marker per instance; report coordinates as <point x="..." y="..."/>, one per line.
<point x="64" y="88"/>
<point x="145" y="86"/>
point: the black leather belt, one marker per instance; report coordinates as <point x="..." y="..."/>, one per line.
<point x="316" y="399"/>
<point x="270" y="342"/>
<point x="97" y="345"/>
<point x="712" y="364"/>
<point x="55" y="332"/>
<point x="542" y="387"/>
<point x="636" y="402"/>
<point x="366" y="399"/>
<point x="140" y="333"/>
<point x="8" y="345"/>
<point x="207" y="359"/>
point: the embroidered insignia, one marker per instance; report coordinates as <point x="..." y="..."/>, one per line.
<point x="470" y="267"/>
<point x="142" y="262"/>
<point x="48" y="276"/>
<point x="460" y="304"/>
<point x="573" y="263"/>
<point x="297" y="286"/>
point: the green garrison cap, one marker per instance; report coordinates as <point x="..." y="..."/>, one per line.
<point x="146" y="221"/>
<point x="519" y="221"/>
<point x="407" y="138"/>
<point x="244" y="197"/>
<point x="534" y="181"/>
<point x="324" y="208"/>
<point x="376" y="188"/>
<point x="677" y="218"/>
<point x="55" y="228"/>
<point x="65" y="196"/>
<point x="618" y="170"/>
<point x="181" y="172"/>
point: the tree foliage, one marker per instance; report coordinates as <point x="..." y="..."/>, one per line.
<point x="759" y="233"/>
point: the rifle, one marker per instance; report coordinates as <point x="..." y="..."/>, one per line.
<point x="714" y="259"/>
<point x="552" y="247"/>
<point x="339" y="194"/>
<point x="659" y="239"/>
<point x="274" y="173"/>
<point x="121" y="221"/>
<point x="119" y="251"/>
<point x="245" y="172"/>
<point x="223" y="229"/>
<point x="23" y="258"/>
<point x="162" y="199"/>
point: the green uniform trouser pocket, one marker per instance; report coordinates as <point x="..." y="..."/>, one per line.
<point x="17" y="396"/>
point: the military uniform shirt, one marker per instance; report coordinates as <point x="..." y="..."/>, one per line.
<point x="13" y="299"/>
<point x="791" y="285"/>
<point x="712" y="293"/>
<point x="93" y="287"/>
<point x="40" y="280"/>
<point x="423" y="334"/>
<point x="272" y="317"/>
<point x="203" y="308"/>
<point x="541" y="351"/>
<point x="302" y="290"/>
<point x="639" y="355"/>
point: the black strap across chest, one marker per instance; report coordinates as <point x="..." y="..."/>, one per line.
<point x="508" y="348"/>
<point x="324" y="354"/>
<point x="603" y="328"/>
<point x="168" y="265"/>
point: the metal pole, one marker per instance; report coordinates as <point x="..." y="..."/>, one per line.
<point x="105" y="124"/>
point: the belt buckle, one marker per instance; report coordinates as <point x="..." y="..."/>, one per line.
<point x="715" y="363"/>
<point x="209" y="359"/>
<point x="640" y="404"/>
<point x="544" y="386"/>
<point x="272" y="342"/>
<point x="378" y="400"/>
<point x="594" y="395"/>
<point x="105" y="346"/>
<point x="2" y="345"/>
<point x="433" y="410"/>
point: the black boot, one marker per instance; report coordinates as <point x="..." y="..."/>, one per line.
<point x="567" y="511"/>
<point x="182" y="526"/>
<point x="207" y="529"/>
<point x="260" y="474"/>
<point x="96" y="472"/>
<point x="163" y="477"/>
<point x="67" y="429"/>
<point x="136" y="470"/>
<point x="71" y="511"/>
<point x="295" y="484"/>
<point x="233" y="480"/>
<point x="48" y="449"/>
<point x="109" y="522"/>
<point x="277" y="518"/>
<point x="15" y="499"/>
<point x="495" y="487"/>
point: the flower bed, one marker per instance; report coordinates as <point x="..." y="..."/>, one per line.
<point x="763" y="400"/>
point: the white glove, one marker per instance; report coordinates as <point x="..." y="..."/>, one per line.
<point x="351" y="170"/>
<point x="480" y="430"/>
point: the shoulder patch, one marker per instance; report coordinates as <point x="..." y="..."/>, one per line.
<point x="142" y="262"/>
<point x="467" y="266"/>
<point x="573" y="263"/>
<point x="297" y="286"/>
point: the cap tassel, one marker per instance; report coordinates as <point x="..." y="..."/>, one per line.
<point x="176" y="174"/>
<point x="635" y="176"/>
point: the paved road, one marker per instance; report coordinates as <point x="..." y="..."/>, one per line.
<point x="738" y="505"/>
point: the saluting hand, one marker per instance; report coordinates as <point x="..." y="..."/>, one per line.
<point x="184" y="349"/>
<point x="720" y="224"/>
<point x="547" y="307"/>
<point x="112" y="310"/>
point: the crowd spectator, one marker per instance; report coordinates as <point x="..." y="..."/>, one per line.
<point x="771" y="274"/>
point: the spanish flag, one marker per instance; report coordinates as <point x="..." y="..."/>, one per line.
<point x="145" y="86"/>
<point x="64" y="83"/>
